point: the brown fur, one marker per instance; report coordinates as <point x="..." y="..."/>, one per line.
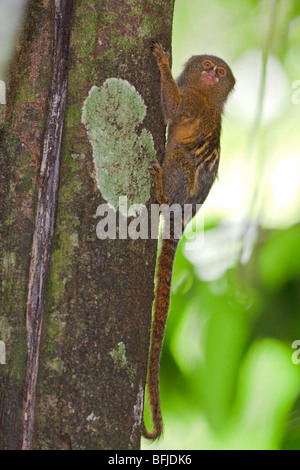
<point x="192" y="108"/>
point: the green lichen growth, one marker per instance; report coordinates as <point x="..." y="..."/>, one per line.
<point x="150" y="25"/>
<point x="118" y="355"/>
<point x="124" y="43"/>
<point x="25" y="182"/>
<point x="86" y="25"/>
<point x="62" y="254"/>
<point x="120" y="361"/>
<point x="8" y="281"/>
<point x="133" y="2"/>
<point x="110" y="17"/>
<point x="25" y="93"/>
<point x="57" y="365"/>
<point x="6" y="329"/>
<point x="55" y="328"/>
<point x="111" y="115"/>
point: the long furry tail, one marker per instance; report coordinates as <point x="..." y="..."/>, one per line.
<point x="161" y="307"/>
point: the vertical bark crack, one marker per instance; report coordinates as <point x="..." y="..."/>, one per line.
<point x="46" y="213"/>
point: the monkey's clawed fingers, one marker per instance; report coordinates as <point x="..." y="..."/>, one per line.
<point x="155" y="168"/>
<point x="158" y="51"/>
<point x="153" y="45"/>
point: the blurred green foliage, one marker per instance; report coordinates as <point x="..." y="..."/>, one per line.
<point x="228" y="380"/>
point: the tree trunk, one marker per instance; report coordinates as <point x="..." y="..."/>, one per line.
<point x="76" y="306"/>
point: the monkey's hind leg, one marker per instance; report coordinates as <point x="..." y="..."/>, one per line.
<point x="156" y="171"/>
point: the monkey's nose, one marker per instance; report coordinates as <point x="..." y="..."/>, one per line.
<point x="209" y="76"/>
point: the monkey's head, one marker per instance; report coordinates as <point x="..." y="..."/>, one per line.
<point x="211" y="75"/>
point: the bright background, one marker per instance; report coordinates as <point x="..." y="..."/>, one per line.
<point x="227" y="376"/>
<point x="11" y="12"/>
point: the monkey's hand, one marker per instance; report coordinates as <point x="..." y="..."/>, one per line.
<point x="155" y="168"/>
<point x="161" y="56"/>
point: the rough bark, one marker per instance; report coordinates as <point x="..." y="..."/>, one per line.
<point x="94" y="336"/>
<point x="46" y="212"/>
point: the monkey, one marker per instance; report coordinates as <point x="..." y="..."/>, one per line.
<point x="192" y="109"/>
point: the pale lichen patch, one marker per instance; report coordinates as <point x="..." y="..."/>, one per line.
<point x="118" y="355"/>
<point x="57" y="365"/>
<point x="92" y="417"/>
<point x="121" y="153"/>
<point x="138" y="412"/>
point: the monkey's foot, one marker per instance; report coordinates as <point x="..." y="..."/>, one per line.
<point x="155" y="169"/>
<point x="159" y="53"/>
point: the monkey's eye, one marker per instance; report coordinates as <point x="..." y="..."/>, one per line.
<point x="221" y="71"/>
<point x="207" y="64"/>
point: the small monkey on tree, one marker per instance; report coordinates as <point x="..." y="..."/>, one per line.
<point x="192" y="108"/>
